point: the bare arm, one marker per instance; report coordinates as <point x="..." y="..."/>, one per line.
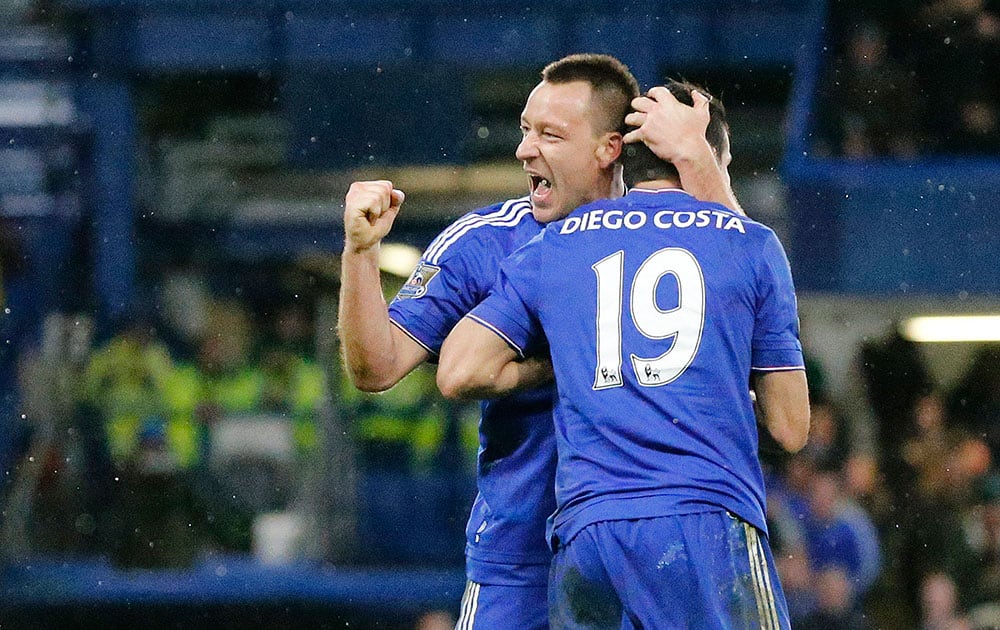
<point x="676" y="132"/>
<point x="783" y="402"/>
<point x="376" y="352"/>
<point x="476" y="363"/>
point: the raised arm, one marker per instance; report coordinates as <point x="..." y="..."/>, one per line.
<point x="477" y="363"/>
<point x="376" y="352"/>
<point x="676" y="132"/>
<point x="783" y="402"/>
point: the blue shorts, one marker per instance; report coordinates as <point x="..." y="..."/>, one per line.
<point x="497" y="607"/>
<point x="704" y="570"/>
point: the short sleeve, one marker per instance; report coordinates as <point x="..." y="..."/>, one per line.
<point x="509" y="310"/>
<point x="442" y="289"/>
<point x="775" y="344"/>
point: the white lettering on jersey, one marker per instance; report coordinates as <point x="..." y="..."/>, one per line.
<point x="664" y="219"/>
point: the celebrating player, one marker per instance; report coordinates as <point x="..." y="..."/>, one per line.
<point x="657" y="309"/>
<point x="572" y="125"/>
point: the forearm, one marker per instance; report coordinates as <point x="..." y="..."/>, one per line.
<point x="783" y="402"/>
<point x="475" y="363"/>
<point x="365" y="330"/>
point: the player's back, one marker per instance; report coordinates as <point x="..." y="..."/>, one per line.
<point x="662" y="313"/>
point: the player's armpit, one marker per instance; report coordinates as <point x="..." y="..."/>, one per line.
<point x="476" y="363"/>
<point x="783" y="403"/>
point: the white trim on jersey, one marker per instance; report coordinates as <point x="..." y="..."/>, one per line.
<point x="511" y="213"/>
<point x="470" y="604"/>
<point x="411" y="336"/>
<point x="498" y="333"/>
<point x="785" y="368"/>
<point x="763" y="591"/>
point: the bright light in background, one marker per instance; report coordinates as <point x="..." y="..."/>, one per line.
<point x="398" y="259"/>
<point x="953" y="328"/>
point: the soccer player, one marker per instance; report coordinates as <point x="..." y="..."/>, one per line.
<point x="572" y="125"/>
<point x="657" y="309"/>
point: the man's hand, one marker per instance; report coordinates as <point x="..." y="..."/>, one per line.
<point x="673" y="131"/>
<point x="369" y="211"/>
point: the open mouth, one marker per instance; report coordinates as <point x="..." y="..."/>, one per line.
<point x="540" y="186"/>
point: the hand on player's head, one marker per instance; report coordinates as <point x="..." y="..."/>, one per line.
<point x="671" y="129"/>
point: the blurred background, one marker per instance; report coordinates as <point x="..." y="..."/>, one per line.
<point x="179" y="446"/>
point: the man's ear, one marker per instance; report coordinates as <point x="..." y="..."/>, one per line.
<point x="610" y="149"/>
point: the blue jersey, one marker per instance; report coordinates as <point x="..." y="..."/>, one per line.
<point x="664" y="306"/>
<point x="517" y="457"/>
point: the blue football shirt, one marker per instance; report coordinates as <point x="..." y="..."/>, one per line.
<point x="505" y="534"/>
<point x="656" y="307"/>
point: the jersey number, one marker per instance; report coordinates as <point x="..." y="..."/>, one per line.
<point x="681" y="325"/>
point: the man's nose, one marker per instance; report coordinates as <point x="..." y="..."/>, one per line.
<point x="527" y="148"/>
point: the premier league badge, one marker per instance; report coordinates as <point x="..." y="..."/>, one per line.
<point x="416" y="285"/>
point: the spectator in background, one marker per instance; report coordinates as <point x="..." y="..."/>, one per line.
<point x="939" y="608"/>
<point x="145" y="407"/>
<point x="840" y="535"/>
<point x="975" y="401"/>
<point x="873" y="99"/>
<point x="837" y="605"/>
<point x="291" y="381"/>
<point x="957" y="52"/>
<point x="946" y="463"/>
<point x="981" y="528"/>
<point x="895" y="377"/>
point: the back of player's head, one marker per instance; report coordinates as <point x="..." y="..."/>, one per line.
<point x="640" y="164"/>
<point x="612" y="83"/>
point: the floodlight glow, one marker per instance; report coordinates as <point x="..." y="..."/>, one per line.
<point x="952" y="328"/>
<point x="398" y="259"/>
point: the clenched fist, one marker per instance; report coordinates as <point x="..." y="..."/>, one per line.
<point x="369" y="211"/>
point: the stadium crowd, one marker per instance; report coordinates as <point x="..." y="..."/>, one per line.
<point x="906" y="81"/>
<point x="900" y="532"/>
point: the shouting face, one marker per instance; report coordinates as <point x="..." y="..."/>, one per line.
<point x="566" y="153"/>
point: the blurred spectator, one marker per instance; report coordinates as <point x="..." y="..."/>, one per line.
<point x="939" y="609"/>
<point x="872" y="99"/>
<point x="957" y="51"/>
<point x="895" y="377"/>
<point x="836" y="603"/>
<point x="839" y="534"/>
<point x="145" y="406"/>
<point x="981" y="527"/>
<point x="946" y="463"/>
<point x="975" y="402"/>
<point x="829" y="440"/>
<point x="291" y="382"/>
<point x="798" y="582"/>
<point x="131" y="382"/>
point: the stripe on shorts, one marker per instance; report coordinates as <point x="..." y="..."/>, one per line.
<point x="763" y="591"/>
<point x="470" y="602"/>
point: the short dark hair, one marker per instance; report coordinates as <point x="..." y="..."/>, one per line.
<point x="612" y="83"/>
<point x="640" y="164"/>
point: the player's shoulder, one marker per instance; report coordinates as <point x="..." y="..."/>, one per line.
<point x="483" y="227"/>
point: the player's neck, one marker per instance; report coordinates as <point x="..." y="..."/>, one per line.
<point x="657" y="184"/>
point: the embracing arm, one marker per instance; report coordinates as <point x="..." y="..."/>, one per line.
<point x="783" y="402"/>
<point x="477" y="363"/>
<point x="376" y="352"/>
<point x="675" y="132"/>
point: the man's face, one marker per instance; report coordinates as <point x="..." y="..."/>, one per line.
<point x="568" y="162"/>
